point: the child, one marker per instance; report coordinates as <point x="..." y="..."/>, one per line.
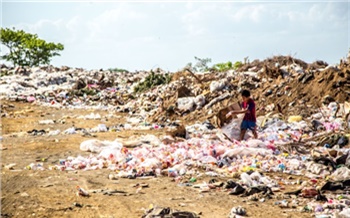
<point x="249" y="120"/>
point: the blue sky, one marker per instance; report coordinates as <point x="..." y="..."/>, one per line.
<point x="143" y="35"/>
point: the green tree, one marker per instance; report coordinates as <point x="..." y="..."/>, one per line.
<point x="27" y="49"/>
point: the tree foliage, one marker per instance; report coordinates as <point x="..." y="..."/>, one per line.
<point x="26" y="49"/>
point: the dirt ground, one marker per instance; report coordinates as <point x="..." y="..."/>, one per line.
<point x="52" y="193"/>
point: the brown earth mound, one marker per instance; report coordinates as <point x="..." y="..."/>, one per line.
<point x="299" y="92"/>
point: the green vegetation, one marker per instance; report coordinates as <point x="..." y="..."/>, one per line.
<point x="237" y="65"/>
<point x="27" y="49"/>
<point x="222" y="67"/>
<point x="202" y="65"/>
<point x="151" y="81"/>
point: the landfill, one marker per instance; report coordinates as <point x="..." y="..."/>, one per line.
<point x="302" y="117"/>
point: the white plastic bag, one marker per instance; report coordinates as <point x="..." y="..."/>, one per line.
<point x="244" y="151"/>
<point x="185" y="104"/>
<point x="246" y="180"/>
<point x="217" y="86"/>
<point x="93" y="145"/>
<point x="345" y="213"/>
<point x="340" y="174"/>
<point x="199" y="101"/>
<point x="102" y="128"/>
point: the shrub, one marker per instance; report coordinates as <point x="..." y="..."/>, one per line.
<point x="152" y="80"/>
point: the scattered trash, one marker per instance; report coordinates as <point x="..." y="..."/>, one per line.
<point x="168" y="212"/>
<point x="82" y="192"/>
<point x="76" y="204"/>
<point x="46" y="122"/>
<point x="24" y="194"/>
<point x="241" y="211"/>
<point x="10" y="166"/>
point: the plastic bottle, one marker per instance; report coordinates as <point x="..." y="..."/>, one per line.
<point x="281" y="166"/>
<point x="193" y="179"/>
<point x="82" y="192"/>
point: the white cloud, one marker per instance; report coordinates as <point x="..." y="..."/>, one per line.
<point x="50" y="30"/>
<point x="117" y="24"/>
<point x="251" y="12"/>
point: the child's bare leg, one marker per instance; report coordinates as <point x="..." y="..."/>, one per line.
<point x="241" y="137"/>
<point x="255" y="134"/>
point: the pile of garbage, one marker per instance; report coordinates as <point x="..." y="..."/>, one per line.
<point x="279" y="84"/>
<point x="303" y="126"/>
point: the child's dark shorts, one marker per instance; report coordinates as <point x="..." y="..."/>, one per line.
<point x="248" y="125"/>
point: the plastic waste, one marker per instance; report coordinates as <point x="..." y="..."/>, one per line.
<point x="46" y="122"/>
<point x="151" y="139"/>
<point x="151" y="163"/>
<point x="296" y="118"/>
<point x="10" y="166"/>
<point x="340" y="174"/>
<point x="70" y="131"/>
<point x="255" y="176"/>
<point x="281" y="167"/>
<point x="318" y="208"/>
<point x="35" y="166"/>
<point x="112" y="152"/>
<point x="31" y="99"/>
<point x="244" y="151"/>
<point x="345" y="213"/>
<point x="240" y="211"/>
<point x="186" y="104"/>
<point x="217" y="85"/>
<point x="172" y="173"/>
<point x="246" y="179"/>
<point x="82" y="192"/>
<point x="91" y="116"/>
<point x="193" y="179"/>
<point x="199" y="101"/>
<point x="255" y="143"/>
<point x="102" y="128"/>
<point x="208" y="160"/>
<point x="93" y="145"/>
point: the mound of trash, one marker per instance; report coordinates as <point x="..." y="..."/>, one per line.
<point x="280" y="84"/>
<point x="302" y="117"/>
